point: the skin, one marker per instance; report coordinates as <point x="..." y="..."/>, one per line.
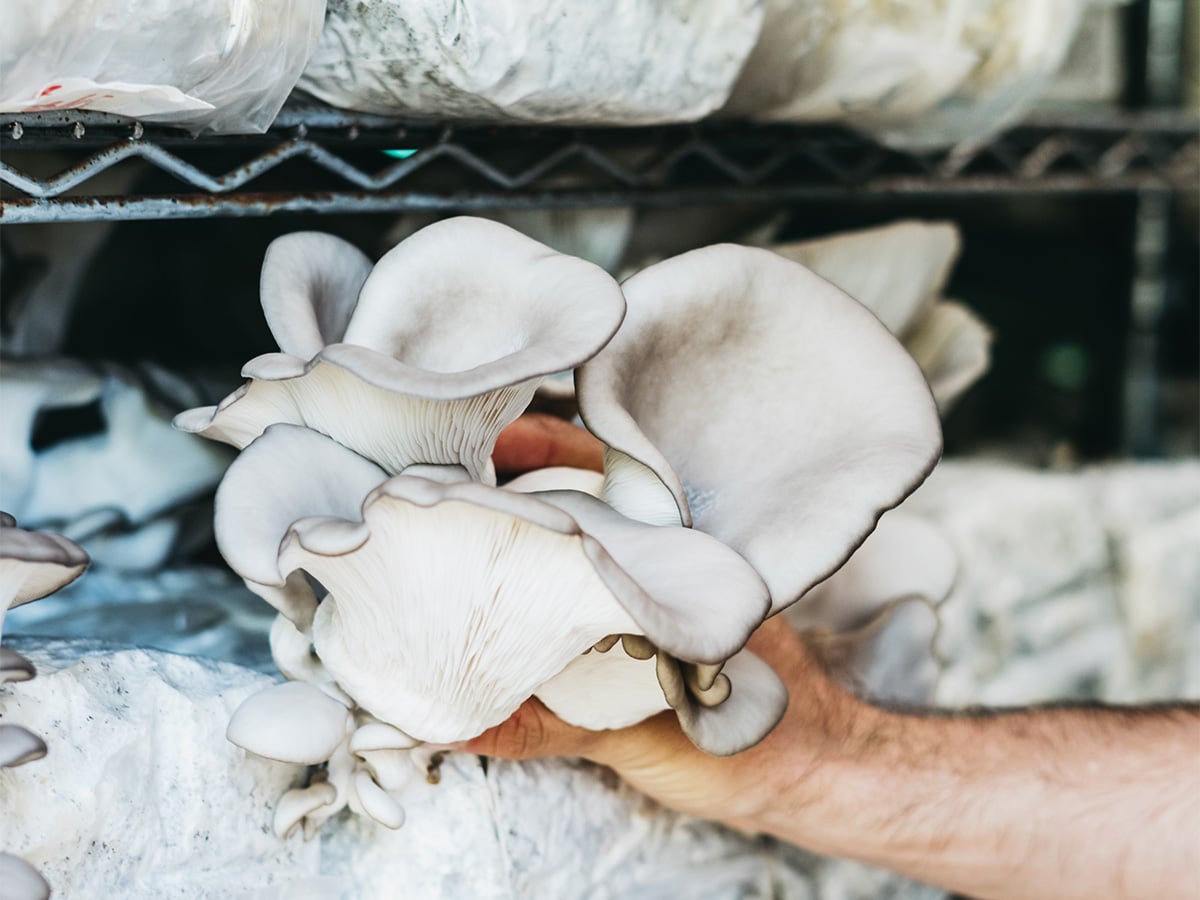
<point x="540" y="440"/>
<point x="1063" y="802"/>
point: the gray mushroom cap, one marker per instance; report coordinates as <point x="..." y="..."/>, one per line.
<point x="610" y="688"/>
<point x="18" y="746"/>
<point x="34" y="564"/>
<point x="877" y="618"/>
<point x="309" y="287"/>
<point x="832" y="419"/>
<point x="14" y="666"/>
<point x="20" y="880"/>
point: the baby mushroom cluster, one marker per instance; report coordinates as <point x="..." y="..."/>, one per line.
<point x="32" y="565"/>
<point x="757" y="421"/>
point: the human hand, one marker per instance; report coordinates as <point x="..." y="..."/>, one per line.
<point x="655" y="756"/>
<point x="540" y="440"/>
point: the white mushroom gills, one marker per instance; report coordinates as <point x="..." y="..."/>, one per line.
<point x="444" y="651"/>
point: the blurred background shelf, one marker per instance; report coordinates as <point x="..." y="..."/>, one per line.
<point x="320" y="160"/>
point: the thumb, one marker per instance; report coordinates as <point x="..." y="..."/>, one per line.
<point x="532" y="731"/>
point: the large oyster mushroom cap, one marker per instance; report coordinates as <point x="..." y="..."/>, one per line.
<point x="558" y="478"/>
<point x="756" y="703"/>
<point x="832" y="419"/>
<point x="611" y="689"/>
<point x="604" y="690"/>
<point x="691" y="595"/>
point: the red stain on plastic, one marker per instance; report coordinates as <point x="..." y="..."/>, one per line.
<point x="50" y="90"/>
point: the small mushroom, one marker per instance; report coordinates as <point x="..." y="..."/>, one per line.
<point x="19" y="746"/>
<point x="380" y="736"/>
<point x="835" y="418"/>
<point x="892" y="658"/>
<point x="34" y="564"/>
<point x="14" y="666"/>
<point x="875" y="620"/>
<point x="21" y="881"/>
<point x="292" y="722"/>
<point x="299" y="803"/>
<point x="406" y="383"/>
<point x="722" y="712"/>
<point x="375" y="802"/>
<point x="906" y="556"/>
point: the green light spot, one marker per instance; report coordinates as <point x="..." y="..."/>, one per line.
<point x="1065" y="366"/>
<point x="399" y="154"/>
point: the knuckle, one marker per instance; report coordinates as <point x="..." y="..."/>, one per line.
<point x="522" y="735"/>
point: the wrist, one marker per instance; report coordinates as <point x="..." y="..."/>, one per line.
<point x="821" y="799"/>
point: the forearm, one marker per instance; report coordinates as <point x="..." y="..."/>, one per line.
<point x="1062" y="802"/>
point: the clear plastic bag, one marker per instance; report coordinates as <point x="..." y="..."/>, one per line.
<point x="216" y="65"/>
<point x="914" y="73"/>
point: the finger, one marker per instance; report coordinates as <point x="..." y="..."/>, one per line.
<point x="539" y="440"/>
<point x="532" y="731"/>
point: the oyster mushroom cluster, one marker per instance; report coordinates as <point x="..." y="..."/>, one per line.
<point x="757" y="422"/>
<point x="32" y="565"/>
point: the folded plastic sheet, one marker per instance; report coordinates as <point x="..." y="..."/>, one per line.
<point x="919" y="73"/>
<point x="216" y="65"/>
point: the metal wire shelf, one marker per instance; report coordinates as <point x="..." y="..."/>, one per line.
<point x="316" y="159"/>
